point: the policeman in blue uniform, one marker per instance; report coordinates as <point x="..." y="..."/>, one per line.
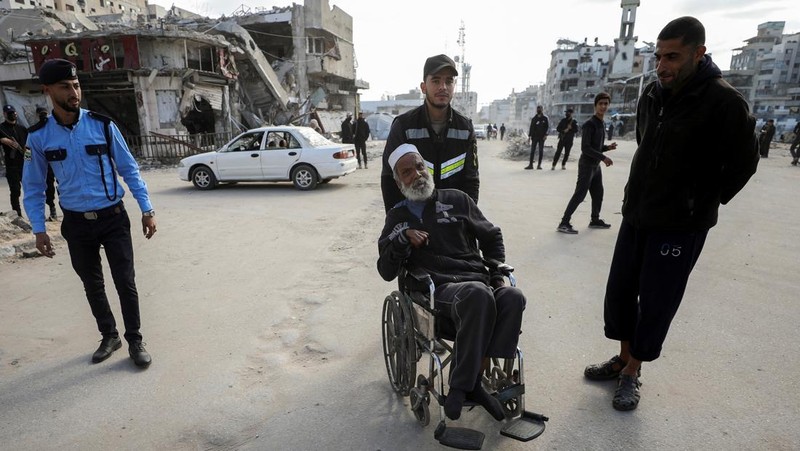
<point x="86" y="151"/>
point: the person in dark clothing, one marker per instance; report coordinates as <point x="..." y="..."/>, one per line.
<point x="444" y="137"/>
<point x="50" y="191"/>
<point x="566" y="129"/>
<point x="502" y="131"/>
<point x="360" y="136"/>
<point x="13" y="138"/>
<point x="445" y="234"/>
<point x="611" y="130"/>
<point x="680" y="174"/>
<point x="795" y="148"/>
<point x="537" y="133"/>
<point x="590" y="177"/>
<point x="765" y="137"/>
<point x="347" y="129"/>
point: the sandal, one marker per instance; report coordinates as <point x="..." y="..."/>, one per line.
<point x="627" y="395"/>
<point x="605" y="371"/>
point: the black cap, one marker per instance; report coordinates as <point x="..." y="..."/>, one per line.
<point x="569" y="110"/>
<point x="55" y="70"/>
<point x="9" y="109"/>
<point x="436" y="63"/>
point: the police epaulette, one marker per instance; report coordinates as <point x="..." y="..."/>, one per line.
<point x="100" y="117"/>
<point x="37" y="125"/>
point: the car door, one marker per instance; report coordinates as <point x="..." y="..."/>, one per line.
<point x="241" y="160"/>
<point x="283" y="150"/>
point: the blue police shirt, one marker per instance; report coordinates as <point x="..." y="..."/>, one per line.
<point x="73" y="152"/>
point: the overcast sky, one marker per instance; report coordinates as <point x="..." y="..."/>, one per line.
<point x="508" y="42"/>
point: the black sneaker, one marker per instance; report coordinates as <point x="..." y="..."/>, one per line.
<point x="529" y="167"/>
<point x="566" y="228"/>
<point x="599" y="224"/>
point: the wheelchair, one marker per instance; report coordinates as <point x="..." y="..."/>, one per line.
<point x="411" y="329"/>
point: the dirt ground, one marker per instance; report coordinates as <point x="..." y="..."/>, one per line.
<point x="261" y="308"/>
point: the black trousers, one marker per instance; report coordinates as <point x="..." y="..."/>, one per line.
<point x="14" y="178"/>
<point x="649" y="273"/>
<point x="487" y="324"/>
<point x="361" y="152"/>
<point x="50" y="191"/>
<point x="794" y="148"/>
<point x="537" y="141"/>
<point x="84" y="238"/>
<point x="590" y="180"/>
<point x="566" y="144"/>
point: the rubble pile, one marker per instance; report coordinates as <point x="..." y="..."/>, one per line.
<point x="16" y="239"/>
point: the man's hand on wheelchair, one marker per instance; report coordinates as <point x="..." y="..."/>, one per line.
<point x="497" y="282"/>
<point x="417" y="238"/>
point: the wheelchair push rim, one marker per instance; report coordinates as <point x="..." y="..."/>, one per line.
<point x="399" y="344"/>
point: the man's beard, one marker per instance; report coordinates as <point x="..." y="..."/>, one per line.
<point x="65" y="105"/>
<point x="420" y="190"/>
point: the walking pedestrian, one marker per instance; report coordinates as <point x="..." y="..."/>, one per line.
<point x="765" y="137"/>
<point x="86" y="151"/>
<point x="590" y="176"/>
<point x="502" y="131"/>
<point x="566" y="129"/>
<point x="679" y="175"/>
<point x="361" y="134"/>
<point x="537" y="133"/>
<point x="795" y="148"/>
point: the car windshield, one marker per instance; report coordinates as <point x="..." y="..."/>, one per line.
<point x="314" y="138"/>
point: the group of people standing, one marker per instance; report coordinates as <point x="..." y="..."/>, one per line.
<point x="679" y="177"/>
<point x="356" y="133"/>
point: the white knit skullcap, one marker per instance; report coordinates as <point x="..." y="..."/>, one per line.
<point x="398" y="153"/>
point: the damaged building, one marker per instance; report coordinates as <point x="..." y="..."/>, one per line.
<point x="172" y="78"/>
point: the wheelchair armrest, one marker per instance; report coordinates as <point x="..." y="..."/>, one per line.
<point x="503" y="268"/>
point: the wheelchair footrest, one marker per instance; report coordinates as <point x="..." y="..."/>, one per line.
<point x="459" y="438"/>
<point x="527" y="427"/>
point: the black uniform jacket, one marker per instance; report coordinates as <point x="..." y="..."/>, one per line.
<point x="682" y="169"/>
<point x="451" y="157"/>
<point x="457" y="233"/>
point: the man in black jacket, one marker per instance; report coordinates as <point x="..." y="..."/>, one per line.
<point x="360" y="135"/>
<point x="347" y="129"/>
<point x="537" y="133"/>
<point x="590" y="176"/>
<point x="444" y="137"/>
<point x="566" y="129"/>
<point x="679" y="176"/>
<point x="444" y="233"/>
<point x="12" y="140"/>
<point x="795" y="148"/>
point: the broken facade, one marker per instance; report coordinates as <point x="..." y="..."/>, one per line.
<point x="181" y="76"/>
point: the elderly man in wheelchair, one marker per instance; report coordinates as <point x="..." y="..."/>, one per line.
<point x="439" y="244"/>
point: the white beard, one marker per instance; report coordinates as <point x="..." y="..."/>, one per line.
<point x="419" y="191"/>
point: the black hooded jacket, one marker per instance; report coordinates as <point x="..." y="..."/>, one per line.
<point x="683" y="169"/>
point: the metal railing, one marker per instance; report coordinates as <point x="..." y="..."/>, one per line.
<point x="162" y="147"/>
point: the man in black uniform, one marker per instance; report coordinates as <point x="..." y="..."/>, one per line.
<point x="566" y="129"/>
<point x="537" y="133"/>
<point x="795" y="148"/>
<point x="13" y="137"/>
<point x="50" y="192"/>
<point x="445" y="234"/>
<point x="679" y="175"/>
<point x="360" y="136"/>
<point x="444" y="137"/>
<point x="347" y="129"/>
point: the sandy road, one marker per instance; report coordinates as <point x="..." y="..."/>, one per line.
<point x="261" y="307"/>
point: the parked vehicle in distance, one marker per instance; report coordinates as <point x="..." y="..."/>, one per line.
<point x="480" y="130"/>
<point x="271" y="154"/>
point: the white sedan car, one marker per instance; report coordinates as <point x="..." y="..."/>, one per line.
<point x="274" y="154"/>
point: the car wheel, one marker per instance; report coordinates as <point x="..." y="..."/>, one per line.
<point x="203" y="178"/>
<point x="304" y="177"/>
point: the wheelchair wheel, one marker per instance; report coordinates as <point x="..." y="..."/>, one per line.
<point x="399" y="344"/>
<point x="419" y="405"/>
